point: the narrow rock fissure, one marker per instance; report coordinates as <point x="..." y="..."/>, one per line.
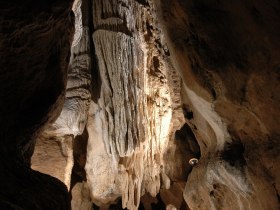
<point x="79" y="155"/>
<point x="233" y="153"/>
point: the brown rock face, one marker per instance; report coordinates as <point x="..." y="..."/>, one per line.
<point x="151" y="85"/>
<point x="34" y="50"/>
<point x="228" y="55"/>
<point x="54" y="156"/>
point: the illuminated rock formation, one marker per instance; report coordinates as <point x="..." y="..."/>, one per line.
<point x="168" y="104"/>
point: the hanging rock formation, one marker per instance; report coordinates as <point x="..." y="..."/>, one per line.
<point x="150" y="85"/>
<point x="130" y="123"/>
<point x="138" y="102"/>
<point x="128" y="120"/>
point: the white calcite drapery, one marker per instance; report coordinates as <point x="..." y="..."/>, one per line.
<point x="129" y="125"/>
<point x="230" y="90"/>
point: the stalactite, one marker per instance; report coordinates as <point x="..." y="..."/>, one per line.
<point x="131" y="122"/>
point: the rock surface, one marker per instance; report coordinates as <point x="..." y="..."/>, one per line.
<point x="59" y="136"/>
<point x="34" y="50"/>
<point x="129" y="125"/>
<point x="54" y="156"/>
<point x="147" y="80"/>
<point x="228" y="56"/>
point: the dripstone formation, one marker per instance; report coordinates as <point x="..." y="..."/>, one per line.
<point x="140" y="104"/>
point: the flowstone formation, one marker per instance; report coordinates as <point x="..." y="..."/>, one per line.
<point x="169" y="104"/>
<point x="122" y="86"/>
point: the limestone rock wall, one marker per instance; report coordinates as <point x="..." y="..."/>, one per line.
<point x="127" y="113"/>
<point x="228" y="56"/>
<point x="54" y="149"/>
<point x="149" y="78"/>
<point x="130" y="123"/>
<point x="35" y="40"/>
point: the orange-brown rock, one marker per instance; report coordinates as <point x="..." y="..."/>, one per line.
<point x="228" y="55"/>
<point x="169" y="104"/>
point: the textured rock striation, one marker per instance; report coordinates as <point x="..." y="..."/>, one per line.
<point x="128" y="112"/>
<point x="71" y="122"/>
<point x="129" y="125"/>
<point x="148" y="80"/>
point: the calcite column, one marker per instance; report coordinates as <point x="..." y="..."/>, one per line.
<point x="129" y="124"/>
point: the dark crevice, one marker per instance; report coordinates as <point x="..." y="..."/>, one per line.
<point x="149" y="33"/>
<point x="79" y="154"/>
<point x="214" y="94"/>
<point x="156" y="63"/>
<point x="77" y="97"/>
<point x="117" y="205"/>
<point x="233" y="153"/>
<point x="119" y="28"/>
<point x="85" y="7"/>
<point x="186" y="136"/>
<point x="188" y="114"/>
<point x="179" y="155"/>
<point x="81" y="87"/>
<point x="159" y="205"/>
<point x="145" y="3"/>
<point x="95" y="207"/>
<point x="95" y="74"/>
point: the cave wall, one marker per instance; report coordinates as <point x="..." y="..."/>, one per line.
<point x="34" y="56"/>
<point x="223" y="70"/>
<point x="121" y="61"/>
<point x="146" y="80"/>
<point x="60" y="135"/>
<point x="228" y="56"/>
